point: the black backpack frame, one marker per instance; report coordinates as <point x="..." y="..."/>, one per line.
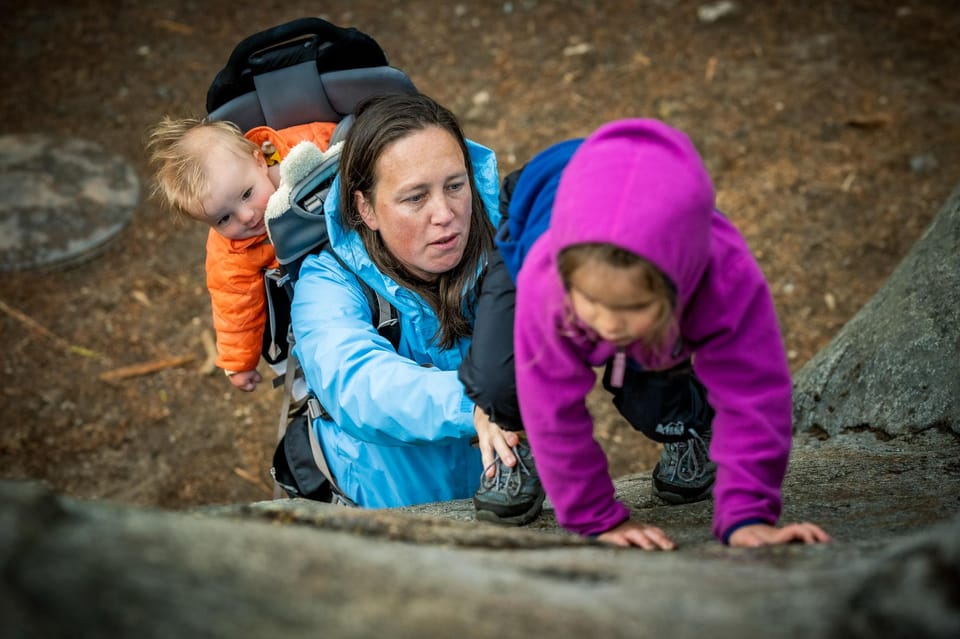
<point x="306" y="70"/>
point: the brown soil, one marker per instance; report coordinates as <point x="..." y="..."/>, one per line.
<point x="832" y="130"/>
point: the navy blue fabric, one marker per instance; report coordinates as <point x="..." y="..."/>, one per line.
<point x="531" y="203"/>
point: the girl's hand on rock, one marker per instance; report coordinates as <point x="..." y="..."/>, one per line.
<point x="632" y="533"/>
<point x="765" y="535"/>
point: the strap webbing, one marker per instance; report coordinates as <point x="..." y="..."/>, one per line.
<point x="315" y="410"/>
<point x="289" y="375"/>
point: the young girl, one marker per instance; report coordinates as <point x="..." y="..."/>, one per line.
<point x="637" y="268"/>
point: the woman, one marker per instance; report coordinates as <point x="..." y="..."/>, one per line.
<point x="412" y="214"/>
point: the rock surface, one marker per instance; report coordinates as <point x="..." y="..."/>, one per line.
<point x="293" y="568"/>
<point x="893" y="368"/>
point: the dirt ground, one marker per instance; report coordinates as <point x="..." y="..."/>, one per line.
<point x="832" y="131"/>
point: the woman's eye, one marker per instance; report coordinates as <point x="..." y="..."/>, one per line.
<point x="415" y="199"/>
<point x="456" y="186"/>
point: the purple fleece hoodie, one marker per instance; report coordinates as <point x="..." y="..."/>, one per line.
<point x="641" y="185"/>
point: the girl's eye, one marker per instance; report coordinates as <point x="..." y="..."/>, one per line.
<point x="223" y="220"/>
<point x="247" y="194"/>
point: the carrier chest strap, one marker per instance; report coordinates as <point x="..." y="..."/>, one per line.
<point x="290" y="375"/>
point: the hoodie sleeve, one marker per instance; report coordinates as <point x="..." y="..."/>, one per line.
<point x="741" y="360"/>
<point x="372" y="392"/>
<point x="553" y="381"/>
<point x="238" y="300"/>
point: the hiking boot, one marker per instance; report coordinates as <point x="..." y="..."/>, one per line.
<point x="685" y="473"/>
<point x="513" y="496"/>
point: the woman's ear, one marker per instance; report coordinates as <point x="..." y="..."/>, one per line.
<point x="366" y="211"/>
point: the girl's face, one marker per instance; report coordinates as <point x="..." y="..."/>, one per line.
<point x="612" y="301"/>
<point x="237" y="193"/>
<point x="421" y="202"/>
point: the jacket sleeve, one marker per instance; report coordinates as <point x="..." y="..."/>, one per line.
<point x="487" y="370"/>
<point x="742" y="363"/>
<point x="553" y="381"/>
<point x="238" y="301"/>
<point x="371" y="392"/>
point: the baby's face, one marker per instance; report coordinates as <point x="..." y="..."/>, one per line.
<point x="237" y="195"/>
<point x="611" y="301"/>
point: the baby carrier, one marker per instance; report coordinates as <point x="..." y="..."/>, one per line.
<point x="306" y="70"/>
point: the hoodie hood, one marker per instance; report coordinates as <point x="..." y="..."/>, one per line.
<point x="640" y="185"/>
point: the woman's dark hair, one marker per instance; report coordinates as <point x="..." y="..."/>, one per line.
<point x="379" y="122"/>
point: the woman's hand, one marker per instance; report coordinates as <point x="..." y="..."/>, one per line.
<point x="764" y="535"/>
<point x="493" y="440"/>
<point x="632" y="533"/>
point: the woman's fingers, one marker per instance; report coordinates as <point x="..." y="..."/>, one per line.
<point x="493" y="442"/>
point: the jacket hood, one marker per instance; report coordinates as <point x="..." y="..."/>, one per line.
<point x="640" y="185"/>
<point x="531" y="202"/>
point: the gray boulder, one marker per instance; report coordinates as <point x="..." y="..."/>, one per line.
<point x="894" y="368"/>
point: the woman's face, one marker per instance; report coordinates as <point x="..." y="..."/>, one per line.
<point x="421" y="202"/>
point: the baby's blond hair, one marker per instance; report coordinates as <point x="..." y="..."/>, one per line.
<point x="178" y="148"/>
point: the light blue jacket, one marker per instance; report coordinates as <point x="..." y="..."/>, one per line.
<point x="401" y="420"/>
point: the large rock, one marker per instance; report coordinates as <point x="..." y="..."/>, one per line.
<point x="292" y="568"/>
<point x="895" y="367"/>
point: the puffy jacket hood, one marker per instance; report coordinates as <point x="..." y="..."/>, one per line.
<point x="655" y="187"/>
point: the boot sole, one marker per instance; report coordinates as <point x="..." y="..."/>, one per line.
<point x="678" y="498"/>
<point x="516" y="520"/>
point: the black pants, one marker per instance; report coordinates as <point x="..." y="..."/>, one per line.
<point x="660" y="404"/>
<point x="663" y="405"/>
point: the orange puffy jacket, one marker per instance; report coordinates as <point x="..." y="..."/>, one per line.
<point x="235" y="268"/>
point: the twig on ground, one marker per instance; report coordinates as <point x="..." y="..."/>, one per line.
<point x="145" y="368"/>
<point x="250" y="477"/>
<point x="37" y="327"/>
